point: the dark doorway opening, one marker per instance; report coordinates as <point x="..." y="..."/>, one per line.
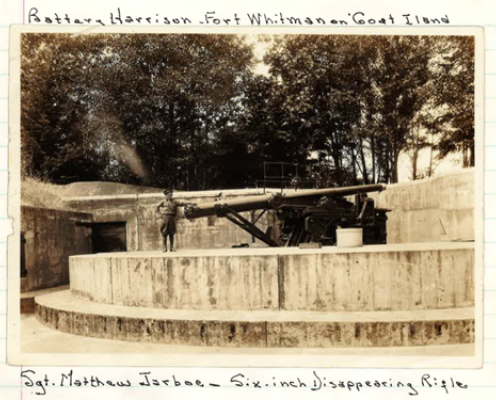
<point x="109" y="237"/>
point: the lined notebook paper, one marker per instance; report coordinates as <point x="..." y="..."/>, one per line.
<point x="482" y="383"/>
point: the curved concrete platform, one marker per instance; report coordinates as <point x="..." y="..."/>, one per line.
<point x="38" y="338"/>
<point x="257" y="329"/>
<point x="420" y="276"/>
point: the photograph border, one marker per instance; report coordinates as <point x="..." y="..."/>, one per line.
<point x="202" y="357"/>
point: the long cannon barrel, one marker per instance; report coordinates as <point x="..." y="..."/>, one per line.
<point x="272" y="200"/>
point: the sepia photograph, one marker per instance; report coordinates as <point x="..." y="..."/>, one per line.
<point x="246" y="197"/>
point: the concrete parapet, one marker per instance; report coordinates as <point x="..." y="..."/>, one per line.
<point x="372" y="278"/>
<point x="440" y="208"/>
<point x="273" y="329"/>
<point x="179" y="282"/>
<point x="51" y="236"/>
<point x="142" y="221"/>
<point x="430" y="210"/>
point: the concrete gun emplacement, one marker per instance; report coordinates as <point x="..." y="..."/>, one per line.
<point x="307" y="216"/>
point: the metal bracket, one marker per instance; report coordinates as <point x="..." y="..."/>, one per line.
<point x="237" y="219"/>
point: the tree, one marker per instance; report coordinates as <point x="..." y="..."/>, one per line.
<point x="131" y="108"/>
<point x="188" y="110"/>
<point x="347" y="96"/>
<point x="318" y="96"/>
<point x="453" y="97"/>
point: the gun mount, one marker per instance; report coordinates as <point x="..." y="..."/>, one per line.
<point x="304" y="216"/>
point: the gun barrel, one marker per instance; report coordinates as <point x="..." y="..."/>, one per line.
<point x="345" y="191"/>
<point x="266" y="201"/>
<point x="239" y="205"/>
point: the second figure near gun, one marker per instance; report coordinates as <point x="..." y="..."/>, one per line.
<point x="167" y="211"/>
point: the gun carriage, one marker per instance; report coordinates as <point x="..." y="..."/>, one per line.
<point x="309" y="216"/>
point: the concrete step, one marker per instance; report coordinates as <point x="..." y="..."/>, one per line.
<point x="274" y="329"/>
<point x="27" y="298"/>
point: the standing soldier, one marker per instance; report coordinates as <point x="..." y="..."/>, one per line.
<point x="167" y="210"/>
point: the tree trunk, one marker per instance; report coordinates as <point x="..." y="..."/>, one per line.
<point x="465" y="155"/>
<point x="429" y="169"/>
<point x="387" y="162"/>
<point x="374" y="156"/>
<point x="468" y="154"/>
<point x="364" y="163"/>
<point x="472" y="154"/>
<point x="414" y="163"/>
<point x="335" y="153"/>
<point x="395" y="166"/>
<point x="354" y="166"/>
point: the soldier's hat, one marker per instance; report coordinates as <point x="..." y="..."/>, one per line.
<point x="167" y="191"/>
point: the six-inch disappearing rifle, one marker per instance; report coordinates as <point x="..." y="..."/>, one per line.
<point x="308" y="216"/>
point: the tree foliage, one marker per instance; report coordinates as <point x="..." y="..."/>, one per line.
<point x="189" y="110"/>
<point x="143" y="109"/>
<point x="452" y="93"/>
<point x="358" y="101"/>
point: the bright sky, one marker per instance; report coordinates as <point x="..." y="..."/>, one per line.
<point x="451" y="163"/>
<point x="260" y="47"/>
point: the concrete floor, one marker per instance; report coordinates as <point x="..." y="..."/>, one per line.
<point x="37" y="338"/>
<point x="64" y="300"/>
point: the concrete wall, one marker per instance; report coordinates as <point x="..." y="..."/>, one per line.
<point x="198" y="283"/>
<point x="373" y="278"/>
<point x="142" y="225"/>
<point x="382" y="281"/>
<point x="51" y="237"/>
<point x="431" y="210"/>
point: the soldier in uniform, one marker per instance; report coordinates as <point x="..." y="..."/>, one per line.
<point x="167" y="210"/>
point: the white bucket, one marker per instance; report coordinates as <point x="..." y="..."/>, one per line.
<point x="349" y="237"/>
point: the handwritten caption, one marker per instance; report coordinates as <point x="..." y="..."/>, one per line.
<point x="313" y="381"/>
<point x="120" y="17"/>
